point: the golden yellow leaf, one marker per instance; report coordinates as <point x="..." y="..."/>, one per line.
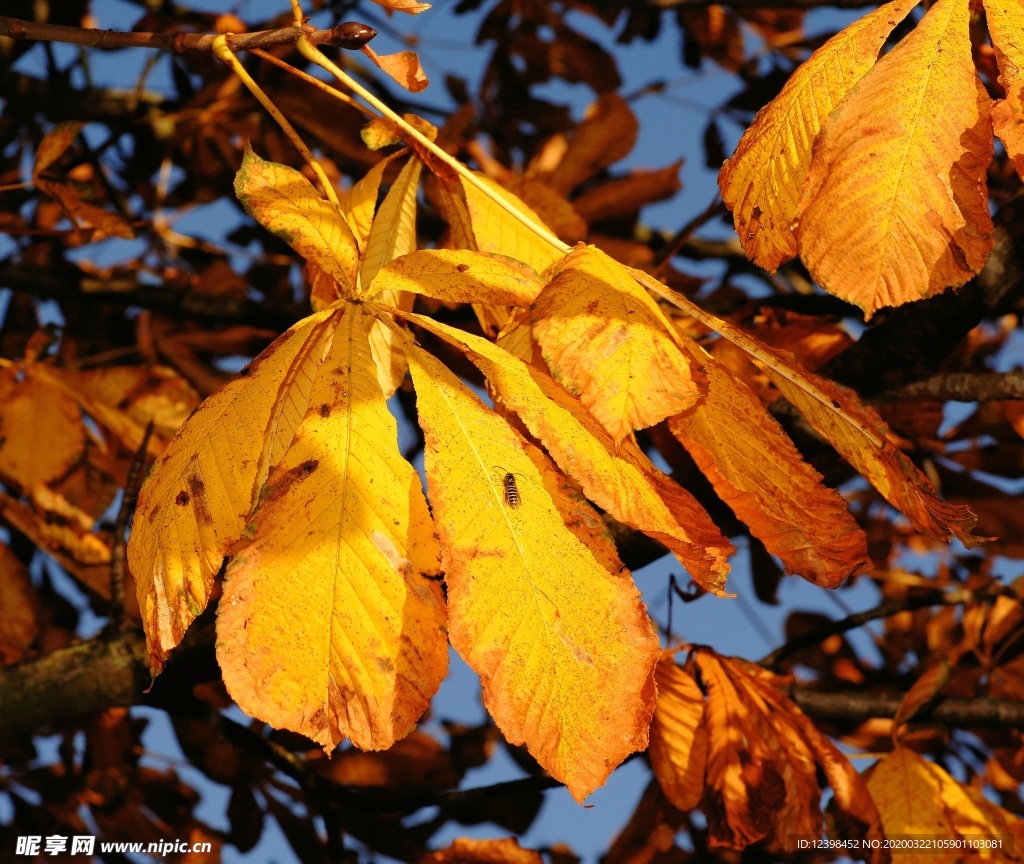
<point x="624" y="483"/>
<point x="606" y="135"/>
<point x="859" y="435"/>
<point x="762" y="182"/>
<point x="19" y="622"/>
<point x="679" y="739"/>
<point x="495" y="230"/>
<point x="606" y="341"/>
<point x="360" y="203"/>
<point x="41" y="429"/>
<point x="916" y="797"/>
<point x="286" y="204"/>
<point x="895" y="207"/>
<point x="195" y="501"/>
<point x="393" y="232"/>
<point x="763" y="755"/>
<point x="460" y="276"/>
<point x="1006" y="27"/>
<point x="756" y="469"/>
<point x="329" y="625"/>
<point x="524" y="593"/>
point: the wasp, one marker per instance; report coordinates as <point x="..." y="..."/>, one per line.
<point x="509" y="487"/>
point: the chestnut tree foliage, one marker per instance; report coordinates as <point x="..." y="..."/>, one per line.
<point x="820" y="368"/>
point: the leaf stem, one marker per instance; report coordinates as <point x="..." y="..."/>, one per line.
<point x="222" y="51"/>
<point x="314" y="55"/>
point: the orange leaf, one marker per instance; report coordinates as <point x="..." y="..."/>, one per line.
<point x="859" y="435"/>
<point x="404" y="67"/>
<point x="54" y="143"/>
<point x="759" y="473"/>
<point x="923" y="691"/>
<point x="41" y="429"/>
<point x="410" y="7"/>
<point x="918" y="221"/>
<point x="464" y="850"/>
<point x="19" y="623"/>
<point x="624" y="196"/>
<point x="328" y="626"/>
<point x="606" y="135"/>
<point x="1005" y="25"/>
<point x="762" y="758"/>
<point x="918" y="798"/>
<point x="763" y="180"/>
<point x="524" y="593"/>
<point x="607" y="341"/>
<point x="679" y="739"/>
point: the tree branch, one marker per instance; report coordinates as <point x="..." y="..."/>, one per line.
<point x="965" y="387"/>
<point x="857" y="705"/>
<point x="764" y="4"/>
<point x="351" y="35"/>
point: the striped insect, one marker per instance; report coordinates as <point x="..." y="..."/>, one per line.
<point x="509" y="487"/>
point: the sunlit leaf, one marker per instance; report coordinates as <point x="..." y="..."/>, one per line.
<point x="1006" y="26"/>
<point x="524" y="594"/>
<point x="919" y="221"/>
<point x="328" y="625"/>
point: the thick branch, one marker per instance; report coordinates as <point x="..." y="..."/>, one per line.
<point x="62" y="685"/>
<point x="348" y="35"/>
<point x="857" y="705"/>
<point x="966" y="387"/>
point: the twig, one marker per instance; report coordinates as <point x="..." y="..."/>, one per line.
<point x="965" y="387"/>
<point x="764" y="4"/>
<point x="351" y="35"/>
<point x="118" y="560"/>
<point x="859" y="619"/>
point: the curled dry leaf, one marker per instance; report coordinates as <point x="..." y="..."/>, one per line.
<point x="404" y="67"/>
<point x="19" y="623"/>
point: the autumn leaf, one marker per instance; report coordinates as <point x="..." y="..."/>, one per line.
<point x="762" y="182"/>
<point x="606" y="135"/>
<point x="524" y="594"/>
<point x="679" y="736"/>
<point x="1005" y="25"/>
<point x="404" y="67"/>
<point x="919" y="222"/>
<point x="410" y="7"/>
<point x="464" y="850"/>
<point x="756" y="469"/>
<point x="393" y="230"/>
<point x="41" y="430"/>
<point x="460" y="276"/>
<point x="194" y="503"/>
<point x="860" y="437"/>
<point x="492" y="229"/>
<point x="286" y="204"/>
<point x="925" y="689"/>
<point x="360" y="203"/>
<point x="19" y="623"/>
<point x="54" y="144"/>
<point x="607" y="342"/>
<point x="763" y="758"/>
<point x="328" y="626"/>
<point x="919" y="798"/>
<point x="623" y="196"/>
<point x="622" y="482"/>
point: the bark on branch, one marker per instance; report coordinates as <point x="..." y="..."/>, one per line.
<point x="858" y="705"/>
<point x="351" y="35"/>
